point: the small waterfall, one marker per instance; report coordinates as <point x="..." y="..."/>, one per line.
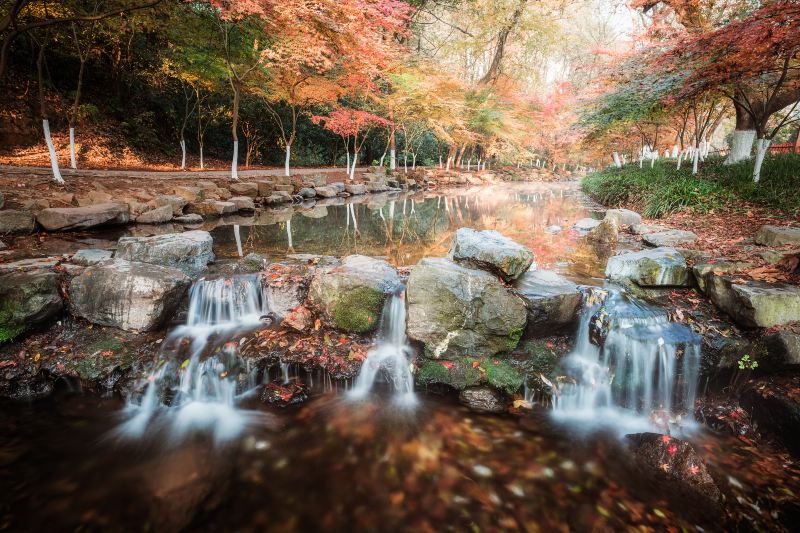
<point x="201" y="378"/>
<point x="643" y="373"/>
<point x="390" y="358"/>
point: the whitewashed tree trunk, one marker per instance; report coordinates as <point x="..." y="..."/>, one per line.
<point x="52" y="149"/>
<point x="392" y="159"/>
<point x="289" y="234"/>
<point x="675" y="151"/>
<point x="183" y="154"/>
<point x="353" y="169"/>
<point x="641" y="160"/>
<point x="405" y="162"/>
<point x="680" y="157"/>
<point x="695" y="159"/>
<point x="235" y="162"/>
<point x="286" y="168"/>
<point x="73" y="161"/>
<point x="762" y="145"/>
<point x="348" y="162"/>
<point x="382" y="159"/>
<point x="653" y="160"/>
<point x="440" y="162"/>
<point x="617" y="161"/>
<point x="202" y="163"/>
<point x="741" y="146"/>
<point x="238" y="237"/>
<point x="413" y="161"/>
<point x="447" y="166"/>
<point x="469" y="164"/>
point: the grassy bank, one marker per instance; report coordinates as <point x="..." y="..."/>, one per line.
<point x="663" y="189"/>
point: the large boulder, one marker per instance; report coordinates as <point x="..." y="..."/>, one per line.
<point x="754" y="303"/>
<point x="624" y="217"/>
<point x="189" y="251"/>
<point x="127" y="295"/>
<point x="489" y="250"/>
<point x="674" y="462"/>
<point x="244" y="189"/>
<point x="173" y="200"/>
<point x="14" y="221"/>
<point x="211" y="208"/>
<point x="91" y="256"/>
<point x="159" y="215"/>
<point x="27" y="298"/>
<point x="351" y="295"/>
<point x="77" y="218"/>
<point x="659" y="267"/>
<point x="773" y="404"/>
<point x="327" y="192"/>
<point x="457" y="311"/>
<point x="355" y="188"/>
<point x="777" y="235"/>
<point x="552" y="301"/>
<point x="671" y="237"/>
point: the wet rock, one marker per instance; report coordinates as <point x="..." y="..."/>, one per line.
<point x="159" y="215"/>
<point x="14" y="221"/>
<point x="89" y="257"/>
<point x="466" y="372"/>
<point x="27" y="265"/>
<point x="672" y="237"/>
<point x="76" y="218"/>
<point x="717" y="266"/>
<point x="605" y="233"/>
<point x="26" y="299"/>
<point x="659" y="267"/>
<point x="265" y="187"/>
<point x="777" y="235"/>
<point x="783" y="351"/>
<point x="211" y="208"/>
<point x="674" y="461"/>
<point x="176" y="202"/>
<point x="286" y="288"/>
<point x="190" y="219"/>
<point x="278" y="197"/>
<point x="459" y="311"/>
<point x="624" y="217"/>
<point x="244" y="189"/>
<point x="243" y="203"/>
<point x="307" y="192"/>
<point x="128" y="295"/>
<point x="252" y="263"/>
<point x="327" y="192"/>
<point x="299" y="319"/>
<point x="641" y="229"/>
<point x="586" y="224"/>
<point x="351" y="295"/>
<point x="338" y="186"/>
<point x="552" y="301"/>
<point x="491" y="251"/>
<point x="754" y="303"/>
<point x="355" y="188"/>
<point x="189" y="251"/>
<point x="483" y="400"/>
<point x="190" y="194"/>
<point x="284" y="395"/>
<point x="774" y="404"/>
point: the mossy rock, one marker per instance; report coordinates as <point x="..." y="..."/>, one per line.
<point x="358" y="310"/>
<point x="469" y="372"/>
<point x="27" y="298"/>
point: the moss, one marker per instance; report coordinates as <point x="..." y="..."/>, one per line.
<point x="8" y="326"/>
<point x="501" y="375"/>
<point x="358" y="310"/>
<point x="469" y="372"/>
<point x="103" y="345"/>
<point x="433" y="372"/>
<point x="513" y="338"/>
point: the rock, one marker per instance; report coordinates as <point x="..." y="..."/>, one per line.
<point x="586" y="224"/>
<point x="459" y="311"/>
<point x="338" y="186"/>
<point x="553" y="229"/>
<point x="66" y="198"/>
<point x="292" y="393"/>
<point x="641" y="229"/>
<point x="491" y="251"/>
<point x="284" y="187"/>
<point x="13" y="221"/>
<point x="190" y="194"/>
<point x="624" y="217"/>
<point x="672" y="237"/>
<point x="773" y="404"/>
<point x="2" y="199"/>
<point x="26" y="299"/>
<point x="299" y="319"/>
<point x="36" y="204"/>
<point x="482" y="400"/>
<point x="3" y="245"/>
<point x="252" y="263"/>
<point x="774" y="257"/>
<point x="351" y="295"/>
<point x="659" y="267"/>
<point x="264" y="187"/>
<point x="718" y="266"/>
<point x="777" y="235"/>
<point x="176" y="202"/>
<point x="159" y="215"/>
<point x="307" y="192"/>
<point x="552" y="301"/>
<point x="77" y="218"/>
<point x="754" y="303"/>
<point x="783" y="351"/>
<point x="243" y="203"/>
<point x="92" y="256"/>
<point x="129" y="295"/>
<point x="465" y="372"/>
<point x="278" y="197"/>
<point x="285" y="289"/>
<point x="327" y="192"/>
<point x="95" y="197"/>
<point x="27" y="265"/>
<point x="244" y="189"/>
<point x="189" y="251"/>
<point x="211" y="208"/>
<point x="605" y="233"/>
<point x="190" y="219"/>
<point x="355" y="188"/>
<point x="675" y="462"/>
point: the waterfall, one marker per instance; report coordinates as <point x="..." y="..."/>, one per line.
<point x="200" y="377"/>
<point x="390" y="358"/>
<point x="641" y="369"/>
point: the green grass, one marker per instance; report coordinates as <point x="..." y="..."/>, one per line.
<point x="664" y="189"/>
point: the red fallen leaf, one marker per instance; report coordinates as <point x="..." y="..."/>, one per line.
<point x="672" y="449"/>
<point x="107" y="353"/>
<point x="6" y="363"/>
<point x="447" y="364"/>
<point x="475" y="364"/>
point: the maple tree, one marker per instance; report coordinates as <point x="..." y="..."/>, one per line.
<point x="351" y="123"/>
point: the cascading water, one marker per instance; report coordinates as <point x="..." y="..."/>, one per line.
<point x="390" y="358"/>
<point x="630" y="368"/>
<point x="200" y="377"/>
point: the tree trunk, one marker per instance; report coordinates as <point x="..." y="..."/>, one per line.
<point x="762" y="145"/>
<point x="48" y="139"/>
<point x="286" y="170"/>
<point x="183" y="154"/>
<point x="73" y="117"/>
<point x="502" y="36"/>
<point x="234" y="133"/>
<point x="615" y="157"/>
<point x="392" y="152"/>
<point x="743" y="137"/>
<point x="695" y="158"/>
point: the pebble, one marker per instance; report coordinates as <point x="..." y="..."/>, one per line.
<point x="483" y="471"/>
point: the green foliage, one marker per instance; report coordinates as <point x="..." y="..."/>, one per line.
<point x="664" y="189"/>
<point x="745" y="363"/>
<point x="141" y="130"/>
<point x="89" y="112"/>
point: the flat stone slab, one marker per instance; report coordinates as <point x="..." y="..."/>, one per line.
<point x="159" y="215"/>
<point x="76" y="218"/>
<point x="586" y="224"/>
<point x="492" y="251"/>
<point x="211" y="208"/>
<point x="26" y="265"/>
<point x="659" y="267"/>
<point x="642" y="229"/>
<point x="671" y="237"/>
<point x="91" y="256"/>
<point x="243" y="203"/>
<point x="777" y="235"/>
<point x="755" y="303"/>
<point x="717" y="266"/>
<point x="244" y="189"/>
<point x="624" y="217"/>
<point x="189" y="251"/>
<point x="16" y="221"/>
<point x="190" y="219"/>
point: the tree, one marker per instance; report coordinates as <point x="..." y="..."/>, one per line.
<point x="347" y="122"/>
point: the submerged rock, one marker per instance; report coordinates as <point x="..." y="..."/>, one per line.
<point x="552" y="301"/>
<point x="491" y="251"/>
<point x="129" y="295"/>
<point x="351" y="295"/>
<point x="660" y="267"/>
<point x="75" y="218"/>
<point x="675" y="462"/>
<point x="483" y="400"/>
<point x="14" y="221"/>
<point x="189" y="251"/>
<point x="777" y="235"/>
<point x="456" y="310"/>
<point x="672" y="237"/>
<point x="754" y="303"/>
<point x="26" y="299"/>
